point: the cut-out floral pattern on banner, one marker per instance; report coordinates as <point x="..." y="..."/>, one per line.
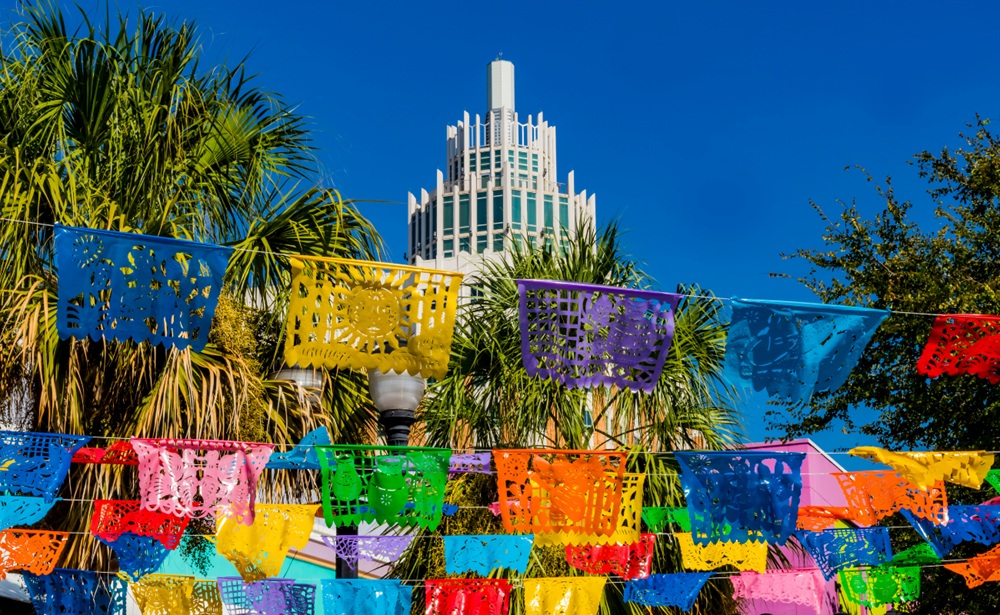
<point x="796" y="350"/>
<point x="483" y="554"/>
<point x="120" y="453"/>
<point x="76" y="592"/>
<point x="121" y="286"/>
<point x="470" y="463"/>
<point x="630" y="513"/>
<point x="137" y="555"/>
<point x="659" y="518"/>
<point x="897" y="581"/>
<point x="979" y="524"/>
<point x="740" y="555"/>
<point x="163" y="594"/>
<point x="350" y="549"/>
<point x="816" y="518"/>
<point x="841" y="548"/>
<point x="267" y="597"/>
<point x="302" y="456"/>
<point x="886" y="584"/>
<point x="35" y="551"/>
<point x="257" y="551"/>
<point x="34" y="463"/>
<point x="585" y="335"/>
<point x="803" y="587"/>
<point x="205" y="598"/>
<point x="198" y="478"/>
<point x="743" y="495"/>
<point x="963" y="344"/>
<point x="563" y="595"/>
<point x="377" y="483"/>
<point x="629" y="561"/>
<point x="367" y="315"/>
<point x="629" y="519"/>
<point x="112" y="518"/>
<point x="661" y="590"/>
<point x="967" y="468"/>
<point x="368" y="596"/>
<point x="993" y="478"/>
<point x="574" y="493"/>
<point x="983" y="568"/>
<point x="467" y="596"/>
<point x="141" y="539"/>
<point x="872" y="496"/>
<point x="20" y="510"/>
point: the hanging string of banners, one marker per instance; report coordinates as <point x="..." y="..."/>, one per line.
<point x="132" y="288"/>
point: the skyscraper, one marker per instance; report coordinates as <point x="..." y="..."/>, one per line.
<point x="500" y="186"/>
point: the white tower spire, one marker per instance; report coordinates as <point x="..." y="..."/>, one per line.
<point x="499" y="188"/>
<point x="500" y="85"/>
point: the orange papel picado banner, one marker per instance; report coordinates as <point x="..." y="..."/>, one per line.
<point x="576" y="494"/>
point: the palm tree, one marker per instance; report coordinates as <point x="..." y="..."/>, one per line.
<point x="488" y="400"/>
<point x="121" y="128"/>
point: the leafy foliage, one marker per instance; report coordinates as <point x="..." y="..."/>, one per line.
<point x="121" y="128"/>
<point x="888" y="261"/>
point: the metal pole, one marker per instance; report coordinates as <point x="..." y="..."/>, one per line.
<point x="396" y="425"/>
<point x="343" y="570"/>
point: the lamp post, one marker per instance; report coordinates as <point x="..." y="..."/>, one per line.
<point x="396" y="396"/>
<point x="308" y="379"/>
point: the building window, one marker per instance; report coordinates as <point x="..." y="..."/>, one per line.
<point x="533" y="212"/>
<point x="563" y="217"/>
<point x="414" y="220"/>
<point x="534" y="163"/>
<point x="465" y="244"/>
<point x="449" y="215"/>
<point x="515" y="214"/>
<point x="497" y="158"/>
<point x="498" y="211"/>
<point x="498" y="243"/>
<point x="549" y="228"/>
<point x="481" y="243"/>
<point x="472" y="161"/>
<point x="422" y="239"/>
<point x="522" y="161"/>
<point x="449" y="248"/>
<point x="463" y="213"/>
<point x="482" y="212"/>
<point x="432" y="229"/>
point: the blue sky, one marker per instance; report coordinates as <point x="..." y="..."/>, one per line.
<point x="705" y="127"/>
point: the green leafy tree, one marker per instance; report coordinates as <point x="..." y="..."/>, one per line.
<point x="488" y="400"/>
<point x="121" y="128"/>
<point x="888" y="261"/>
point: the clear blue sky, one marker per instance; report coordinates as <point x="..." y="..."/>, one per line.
<point x="705" y="127"/>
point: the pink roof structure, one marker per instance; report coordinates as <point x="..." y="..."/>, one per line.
<point x="819" y="488"/>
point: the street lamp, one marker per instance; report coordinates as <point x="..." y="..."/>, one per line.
<point x="308" y="379"/>
<point x="396" y="395"/>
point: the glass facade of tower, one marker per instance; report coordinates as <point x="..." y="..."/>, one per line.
<point x="500" y="187"/>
